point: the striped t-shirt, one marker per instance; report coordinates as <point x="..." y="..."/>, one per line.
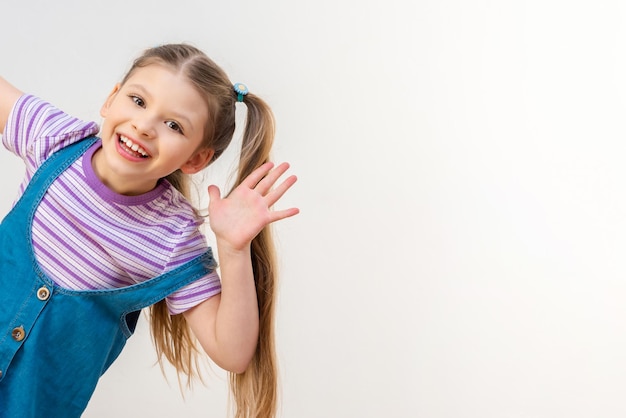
<point x="85" y="236"/>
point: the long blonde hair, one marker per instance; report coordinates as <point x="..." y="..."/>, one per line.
<point x="254" y="392"/>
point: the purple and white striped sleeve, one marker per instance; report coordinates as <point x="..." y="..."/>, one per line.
<point x="194" y="294"/>
<point x="191" y="244"/>
<point x="35" y="129"/>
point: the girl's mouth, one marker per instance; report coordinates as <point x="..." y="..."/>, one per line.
<point x="132" y="148"/>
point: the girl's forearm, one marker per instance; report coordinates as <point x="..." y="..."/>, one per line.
<point x="237" y="317"/>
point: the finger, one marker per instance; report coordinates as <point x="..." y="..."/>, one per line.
<point x="255" y="177"/>
<point x="265" y="185"/>
<point x="273" y="196"/>
<point x="282" y="214"/>
<point x="214" y="193"/>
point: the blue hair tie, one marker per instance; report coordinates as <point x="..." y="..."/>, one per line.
<point x="241" y="91"/>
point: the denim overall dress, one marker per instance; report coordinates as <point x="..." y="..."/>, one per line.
<point x="55" y="343"/>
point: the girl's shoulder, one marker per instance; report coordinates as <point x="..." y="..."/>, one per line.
<point x="172" y="206"/>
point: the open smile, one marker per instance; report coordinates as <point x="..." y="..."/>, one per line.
<point x="131" y="148"/>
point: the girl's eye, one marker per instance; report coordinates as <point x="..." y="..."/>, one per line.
<point x="138" y="101"/>
<point x="174" y="126"/>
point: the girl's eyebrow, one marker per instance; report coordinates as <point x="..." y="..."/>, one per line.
<point x="144" y="92"/>
<point x="139" y="87"/>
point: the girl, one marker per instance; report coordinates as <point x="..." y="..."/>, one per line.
<point x="102" y="229"/>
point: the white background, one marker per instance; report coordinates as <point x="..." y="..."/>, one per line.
<point x="460" y="251"/>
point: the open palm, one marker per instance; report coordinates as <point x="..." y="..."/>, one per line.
<point x="239" y="217"/>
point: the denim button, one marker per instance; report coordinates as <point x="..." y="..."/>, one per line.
<point x="43" y="293"/>
<point x="18" y="333"/>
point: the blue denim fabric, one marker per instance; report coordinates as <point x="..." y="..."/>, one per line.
<point x="56" y="343"/>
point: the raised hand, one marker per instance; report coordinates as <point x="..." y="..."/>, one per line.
<point x="239" y="217"/>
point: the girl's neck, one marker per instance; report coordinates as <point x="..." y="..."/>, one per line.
<point x="117" y="183"/>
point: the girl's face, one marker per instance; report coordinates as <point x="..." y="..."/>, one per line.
<point x="153" y="125"/>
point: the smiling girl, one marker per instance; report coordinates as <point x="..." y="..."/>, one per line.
<point x="102" y="229"/>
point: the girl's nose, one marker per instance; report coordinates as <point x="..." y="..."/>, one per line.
<point x="145" y="126"/>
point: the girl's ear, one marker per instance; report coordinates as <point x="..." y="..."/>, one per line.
<point x="105" y="107"/>
<point x="198" y="161"/>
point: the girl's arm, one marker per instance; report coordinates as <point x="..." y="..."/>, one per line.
<point x="8" y="97"/>
<point x="227" y="325"/>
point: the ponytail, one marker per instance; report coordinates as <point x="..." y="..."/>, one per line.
<point x="255" y="391"/>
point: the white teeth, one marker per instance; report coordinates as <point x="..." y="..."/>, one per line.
<point x="133" y="146"/>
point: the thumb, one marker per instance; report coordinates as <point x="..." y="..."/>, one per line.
<point x="214" y="193"/>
